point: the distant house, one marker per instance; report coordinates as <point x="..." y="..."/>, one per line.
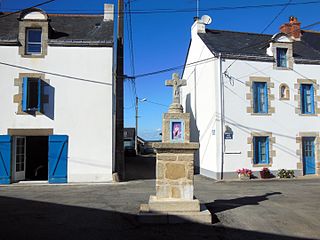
<point x="254" y="99"/>
<point x="56" y="97"/>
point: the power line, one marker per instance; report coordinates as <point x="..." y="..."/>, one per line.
<point x="37" y="5"/>
<point x="272" y="21"/>
<point x="185" y="10"/>
<point x="54" y="74"/>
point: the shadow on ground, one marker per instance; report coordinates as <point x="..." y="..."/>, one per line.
<point x="221" y="205"/>
<point x="140" y="167"/>
<point x="25" y="219"/>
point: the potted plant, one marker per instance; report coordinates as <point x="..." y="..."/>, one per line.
<point x="283" y="173"/>
<point x="244" y="174"/>
<point x="265" y="173"/>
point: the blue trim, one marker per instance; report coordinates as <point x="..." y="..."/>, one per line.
<point x="260" y="91"/>
<point x="5" y="159"/>
<point x="39" y="95"/>
<point x="258" y="144"/>
<point x="304" y="89"/>
<point x="58" y="158"/>
<point x="181" y="121"/>
<point x="24" y="94"/>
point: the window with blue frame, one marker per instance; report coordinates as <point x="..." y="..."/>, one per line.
<point x="282" y="57"/>
<point x="261" y="150"/>
<point x="260" y="97"/>
<point x="307" y="98"/>
<point x="32" y="94"/>
<point x="33" y="41"/>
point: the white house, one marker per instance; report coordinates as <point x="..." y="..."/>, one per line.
<point x="254" y="99"/>
<point x="56" y="97"/>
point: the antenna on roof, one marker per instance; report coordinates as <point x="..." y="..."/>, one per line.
<point x="206" y="19"/>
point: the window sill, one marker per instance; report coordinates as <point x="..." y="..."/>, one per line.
<point x="284" y="99"/>
<point x="262" y="165"/>
<point x="261" y="114"/>
<point x="308" y="114"/>
<point x="281" y="68"/>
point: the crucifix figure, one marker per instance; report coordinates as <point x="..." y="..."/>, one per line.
<point x="176" y="83"/>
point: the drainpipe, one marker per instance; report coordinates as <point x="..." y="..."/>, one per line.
<point x="222" y="115"/>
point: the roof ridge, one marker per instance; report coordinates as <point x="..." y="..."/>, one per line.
<point x="261" y="34"/>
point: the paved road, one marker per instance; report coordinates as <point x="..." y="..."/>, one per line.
<point x="242" y="210"/>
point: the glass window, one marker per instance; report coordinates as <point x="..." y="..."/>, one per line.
<point x="33" y="41"/>
<point x="307" y="98"/>
<point x="261" y="150"/>
<point x="260" y="96"/>
<point x="282" y="57"/>
<point x="31" y="94"/>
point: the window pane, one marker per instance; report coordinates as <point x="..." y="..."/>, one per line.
<point x="33" y="89"/>
<point x="34" y="35"/>
<point x="261" y="150"/>
<point x="307" y="98"/>
<point x="260" y="97"/>
<point x="34" y="48"/>
<point x="281" y="57"/>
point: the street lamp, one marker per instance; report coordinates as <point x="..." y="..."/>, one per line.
<point x="136" y="137"/>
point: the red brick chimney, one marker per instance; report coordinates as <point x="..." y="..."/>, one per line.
<point x="292" y="28"/>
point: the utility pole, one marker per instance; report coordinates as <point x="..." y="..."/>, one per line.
<point x="136" y="137"/>
<point x="119" y="153"/>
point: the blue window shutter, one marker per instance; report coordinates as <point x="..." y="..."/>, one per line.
<point x="267" y="150"/>
<point x="5" y="159"/>
<point x="58" y="158"/>
<point x="312" y="99"/>
<point x="24" y="94"/>
<point x="265" y="98"/>
<point x="39" y="94"/>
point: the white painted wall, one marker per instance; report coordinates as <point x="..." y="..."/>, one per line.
<point x="199" y="98"/>
<point x="82" y="109"/>
<point x="203" y="84"/>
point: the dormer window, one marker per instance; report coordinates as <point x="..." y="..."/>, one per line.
<point x="33" y="41"/>
<point x="282" y="57"/>
<point x="33" y="33"/>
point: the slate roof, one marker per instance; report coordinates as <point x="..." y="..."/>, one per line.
<point x="252" y="46"/>
<point x="80" y="30"/>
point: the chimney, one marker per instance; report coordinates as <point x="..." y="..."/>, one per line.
<point x="197" y="27"/>
<point x="108" y="12"/>
<point x="292" y="28"/>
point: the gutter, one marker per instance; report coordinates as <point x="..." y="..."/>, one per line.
<point x="222" y="114"/>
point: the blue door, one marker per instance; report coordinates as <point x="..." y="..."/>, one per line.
<point x="58" y="158"/>
<point x="309" y="166"/>
<point x="5" y="159"/>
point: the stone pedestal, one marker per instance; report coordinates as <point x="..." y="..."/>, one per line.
<point x="174" y="201"/>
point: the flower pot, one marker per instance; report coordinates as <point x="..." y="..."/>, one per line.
<point x="243" y="177"/>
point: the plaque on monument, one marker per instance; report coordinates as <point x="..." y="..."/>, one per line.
<point x="176" y="130"/>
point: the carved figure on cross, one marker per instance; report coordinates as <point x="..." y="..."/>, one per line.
<point x="176" y="83"/>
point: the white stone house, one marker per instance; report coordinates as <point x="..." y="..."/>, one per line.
<point x="254" y="100"/>
<point x="56" y="97"/>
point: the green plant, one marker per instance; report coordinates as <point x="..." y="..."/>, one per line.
<point x="283" y="173"/>
<point x="265" y="173"/>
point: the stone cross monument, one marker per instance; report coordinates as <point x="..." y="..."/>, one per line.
<point x="174" y="201"/>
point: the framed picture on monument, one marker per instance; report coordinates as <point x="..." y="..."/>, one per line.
<point x="176" y="130"/>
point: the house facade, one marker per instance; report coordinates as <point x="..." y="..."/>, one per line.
<point x="56" y="96"/>
<point x="254" y="100"/>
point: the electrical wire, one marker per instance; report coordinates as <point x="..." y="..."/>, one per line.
<point x="186" y="10"/>
<point x="37" y="5"/>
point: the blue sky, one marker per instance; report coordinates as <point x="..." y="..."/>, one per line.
<point x="161" y="40"/>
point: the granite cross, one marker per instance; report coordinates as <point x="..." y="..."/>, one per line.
<point x="176" y="83"/>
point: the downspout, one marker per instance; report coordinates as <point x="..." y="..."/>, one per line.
<point x="222" y="115"/>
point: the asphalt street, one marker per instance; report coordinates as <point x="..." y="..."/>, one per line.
<point x="258" y="209"/>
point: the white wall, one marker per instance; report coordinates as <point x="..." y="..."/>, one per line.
<point x="203" y="87"/>
<point x="284" y="124"/>
<point x="200" y="95"/>
<point x="82" y="109"/>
